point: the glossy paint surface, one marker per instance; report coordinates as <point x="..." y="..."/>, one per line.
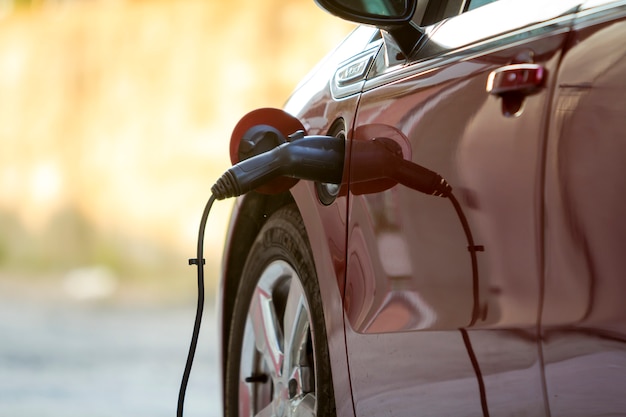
<point x="584" y="315"/>
<point x="408" y="266"/>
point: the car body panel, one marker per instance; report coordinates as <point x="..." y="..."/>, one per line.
<point x="584" y="319"/>
<point x="411" y="329"/>
<point x="409" y="268"/>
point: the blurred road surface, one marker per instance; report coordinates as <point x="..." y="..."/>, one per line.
<point x="60" y="357"/>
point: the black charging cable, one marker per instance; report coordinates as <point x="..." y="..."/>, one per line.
<point x="199" y="262"/>
<point x="476" y="311"/>
<point x="472" y="248"/>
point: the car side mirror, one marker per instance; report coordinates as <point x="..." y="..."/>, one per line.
<point x="393" y="16"/>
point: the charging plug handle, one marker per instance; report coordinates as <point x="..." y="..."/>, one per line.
<point x="314" y="158"/>
<point x="378" y="159"/>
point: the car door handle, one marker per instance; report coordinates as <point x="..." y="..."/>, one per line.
<point x="516" y="78"/>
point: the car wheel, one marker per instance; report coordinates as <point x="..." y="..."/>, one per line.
<point x="278" y="363"/>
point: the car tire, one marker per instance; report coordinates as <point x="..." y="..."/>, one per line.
<point x="277" y="362"/>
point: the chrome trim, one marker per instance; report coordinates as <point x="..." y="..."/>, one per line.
<point x="532" y="79"/>
<point x="600" y="13"/>
<point x="510" y="39"/>
<point x="343" y="86"/>
<point x="353" y="71"/>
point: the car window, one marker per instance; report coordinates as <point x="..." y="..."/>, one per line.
<point x="435" y="11"/>
<point x="474" y="4"/>
<point x="488" y="19"/>
<point x="378" y="8"/>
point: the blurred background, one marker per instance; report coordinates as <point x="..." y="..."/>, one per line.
<point x="115" y="119"/>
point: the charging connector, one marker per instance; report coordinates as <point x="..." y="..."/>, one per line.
<point x="315" y="158"/>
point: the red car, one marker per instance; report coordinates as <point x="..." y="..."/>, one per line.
<point x="370" y="297"/>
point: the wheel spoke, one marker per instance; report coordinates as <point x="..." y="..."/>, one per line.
<point x="267" y="331"/>
<point x="247" y="366"/>
<point x="296" y="312"/>
<point x="296" y="324"/>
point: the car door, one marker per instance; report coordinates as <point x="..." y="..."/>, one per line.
<point x="584" y="315"/>
<point x="429" y="330"/>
